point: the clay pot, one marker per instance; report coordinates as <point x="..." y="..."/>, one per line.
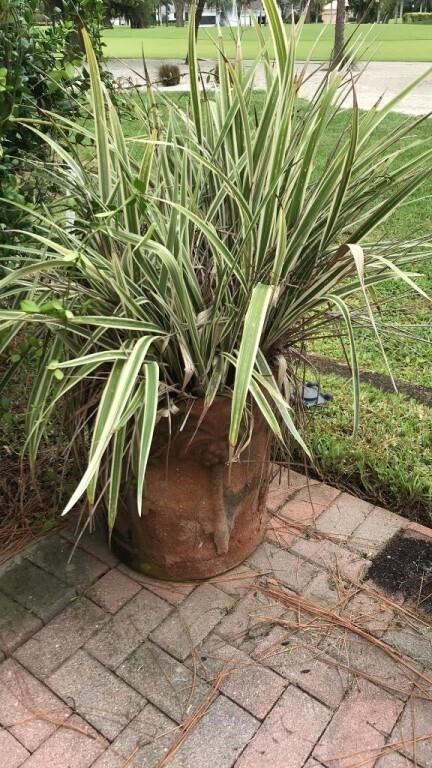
<point x="200" y="516"/>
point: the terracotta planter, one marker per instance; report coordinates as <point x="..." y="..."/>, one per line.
<point x="199" y="518"/>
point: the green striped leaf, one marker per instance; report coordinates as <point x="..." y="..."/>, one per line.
<point x="100" y="120"/>
<point x="194" y="74"/>
<point x="116" y="393"/>
<point x="146" y="425"/>
<point x="116" y="475"/>
<point x="252" y="330"/>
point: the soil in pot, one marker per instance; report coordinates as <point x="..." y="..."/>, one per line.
<point x="200" y="516"/>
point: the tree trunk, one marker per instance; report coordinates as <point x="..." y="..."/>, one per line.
<point x="75" y="36"/>
<point x="339" y="31"/>
<point x="198" y="15"/>
<point x="179" y="12"/>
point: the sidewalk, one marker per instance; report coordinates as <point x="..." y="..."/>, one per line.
<point x="294" y="660"/>
<point x="376" y="80"/>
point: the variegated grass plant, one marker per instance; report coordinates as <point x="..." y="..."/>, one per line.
<point x="202" y="255"/>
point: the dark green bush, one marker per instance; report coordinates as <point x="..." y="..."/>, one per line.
<point x="41" y="69"/>
<point x="417" y="18"/>
<point x="169" y="74"/>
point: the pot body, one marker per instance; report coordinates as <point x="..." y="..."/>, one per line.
<point x="200" y="516"/>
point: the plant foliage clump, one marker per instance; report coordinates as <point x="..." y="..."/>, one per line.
<point x="41" y="69"/>
<point x="197" y="258"/>
<point x="169" y="74"/>
<point x="417" y="18"/>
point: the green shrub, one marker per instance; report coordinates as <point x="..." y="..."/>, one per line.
<point x="41" y="69"/>
<point x="417" y="18"/>
<point x="169" y="74"/>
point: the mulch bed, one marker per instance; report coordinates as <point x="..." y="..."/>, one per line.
<point x="404" y="567"/>
<point x="29" y="507"/>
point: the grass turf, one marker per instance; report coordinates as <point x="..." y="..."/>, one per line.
<point x="408" y="350"/>
<point x="383" y="42"/>
<point x="388" y="462"/>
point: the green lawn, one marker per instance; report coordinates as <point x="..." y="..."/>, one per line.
<point x="388" y="462"/>
<point x="385" y="42"/>
<point x="408" y="347"/>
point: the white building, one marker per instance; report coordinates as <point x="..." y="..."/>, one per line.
<point x="328" y="13"/>
<point x="212" y="16"/>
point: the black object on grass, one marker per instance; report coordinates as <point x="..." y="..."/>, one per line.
<point x="312" y="395"/>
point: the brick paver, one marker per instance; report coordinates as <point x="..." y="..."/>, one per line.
<point x="419" y="530"/>
<point x="379" y="526"/>
<point x="74" y="745"/>
<point x="53" y="554"/>
<point x="164" y="681"/>
<point x="288" y="734"/>
<point x="218" y="738"/>
<point x="283" y="486"/>
<point x="370" y="613"/>
<point x="35" y="589"/>
<point x="244" y="676"/>
<point x="357" y="730"/>
<point x="113" y="590"/>
<point x="310" y="669"/>
<point x="394" y="760"/>
<point x="111" y="678"/>
<point x="237" y="582"/>
<point x="333" y="557"/>
<point x="329" y="590"/>
<point x="94" y="542"/>
<point x="100" y="697"/>
<point x="28" y="709"/>
<point x="143" y="743"/>
<point x="415" y="641"/>
<point x="171" y="591"/>
<point x="16" y="624"/>
<point x="343" y="516"/>
<point x="193" y="620"/>
<point x="416" y="722"/>
<point x="281" y="532"/>
<point x="300" y="512"/>
<point x="128" y="628"/>
<point x="320" y="495"/>
<point x="59" y="639"/>
<point x="247" y="619"/>
<point x="286" y="566"/>
<point x="360" y="654"/>
<point x="12" y="753"/>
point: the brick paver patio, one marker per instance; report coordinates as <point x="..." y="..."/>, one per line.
<point x="295" y="659"/>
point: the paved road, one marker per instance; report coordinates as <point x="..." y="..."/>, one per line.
<point x="377" y="79"/>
